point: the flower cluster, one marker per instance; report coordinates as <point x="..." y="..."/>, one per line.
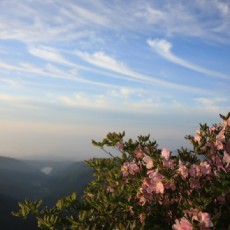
<point x="130" y="168"/>
<point x="193" y="217"/>
<point x="177" y="181"/>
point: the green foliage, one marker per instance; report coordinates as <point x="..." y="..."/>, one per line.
<point x="149" y="188"/>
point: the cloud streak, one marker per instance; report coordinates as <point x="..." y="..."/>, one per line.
<point x="143" y="105"/>
<point x="104" y="61"/>
<point x="163" y="48"/>
<point x="32" y="22"/>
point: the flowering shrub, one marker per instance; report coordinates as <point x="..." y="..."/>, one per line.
<point x="150" y="188"/>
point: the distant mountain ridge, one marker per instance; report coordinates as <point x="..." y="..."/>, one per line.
<point x="13" y="164"/>
<point x="19" y="180"/>
<point x="24" y="179"/>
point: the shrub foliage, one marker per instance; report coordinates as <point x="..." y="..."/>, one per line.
<point x="149" y="188"/>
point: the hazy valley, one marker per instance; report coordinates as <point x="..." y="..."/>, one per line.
<point x="33" y="179"/>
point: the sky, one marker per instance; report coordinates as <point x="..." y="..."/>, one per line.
<point x="74" y="70"/>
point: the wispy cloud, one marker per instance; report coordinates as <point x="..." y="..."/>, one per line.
<point x="33" y="22"/>
<point x="144" y="105"/>
<point x="104" y="61"/>
<point x="49" y="54"/>
<point x="110" y="103"/>
<point x="29" y="68"/>
<point x="17" y="102"/>
<point x="163" y="48"/>
<point x="212" y="104"/>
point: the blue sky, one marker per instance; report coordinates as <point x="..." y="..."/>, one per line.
<point x="71" y="71"/>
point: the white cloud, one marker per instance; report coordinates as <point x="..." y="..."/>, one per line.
<point x="125" y="92"/>
<point x="103" y="60"/>
<point x="83" y="100"/>
<point x="109" y="103"/>
<point x="148" y="104"/>
<point x="212" y="104"/>
<point x="34" y="21"/>
<point x="49" y="54"/>
<point x="88" y="16"/>
<point x="47" y="71"/>
<point x="163" y="48"/>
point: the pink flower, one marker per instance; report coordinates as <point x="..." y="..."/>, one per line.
<point x="226" y="158"/>
<point x="219" y="145"/>
<point x="183" y="170"/>
<point x="168" y="164"/>
<point x="133" y="168"/>
<point x="154" y="175"/>
<point x="125" y="169"/>
<point x="142" y="217"/>
<point x="204" y="219"/>
<point x="148" y="162"/>
<point x="131" y="212"/>
<point x="220" y="138"/>
<point x="170" y="185"/>
<point x="183" y="224"/>
<point x="130" y="168"/>
<point x="212" y="129"/>
<point x="194" y="170"/>
<point x="120" y="146"/>
<point x="165" y="154"/>
<point x="205" y="168"/>
<point x="197" y="137"/>
<point x="154" y="186"/>
<point x="153" y="183"/>
<point x="144" y="196"/>
<point x="192" y="212"/>
<point x="218" y="162"/>
<point x="138" y="152"/>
